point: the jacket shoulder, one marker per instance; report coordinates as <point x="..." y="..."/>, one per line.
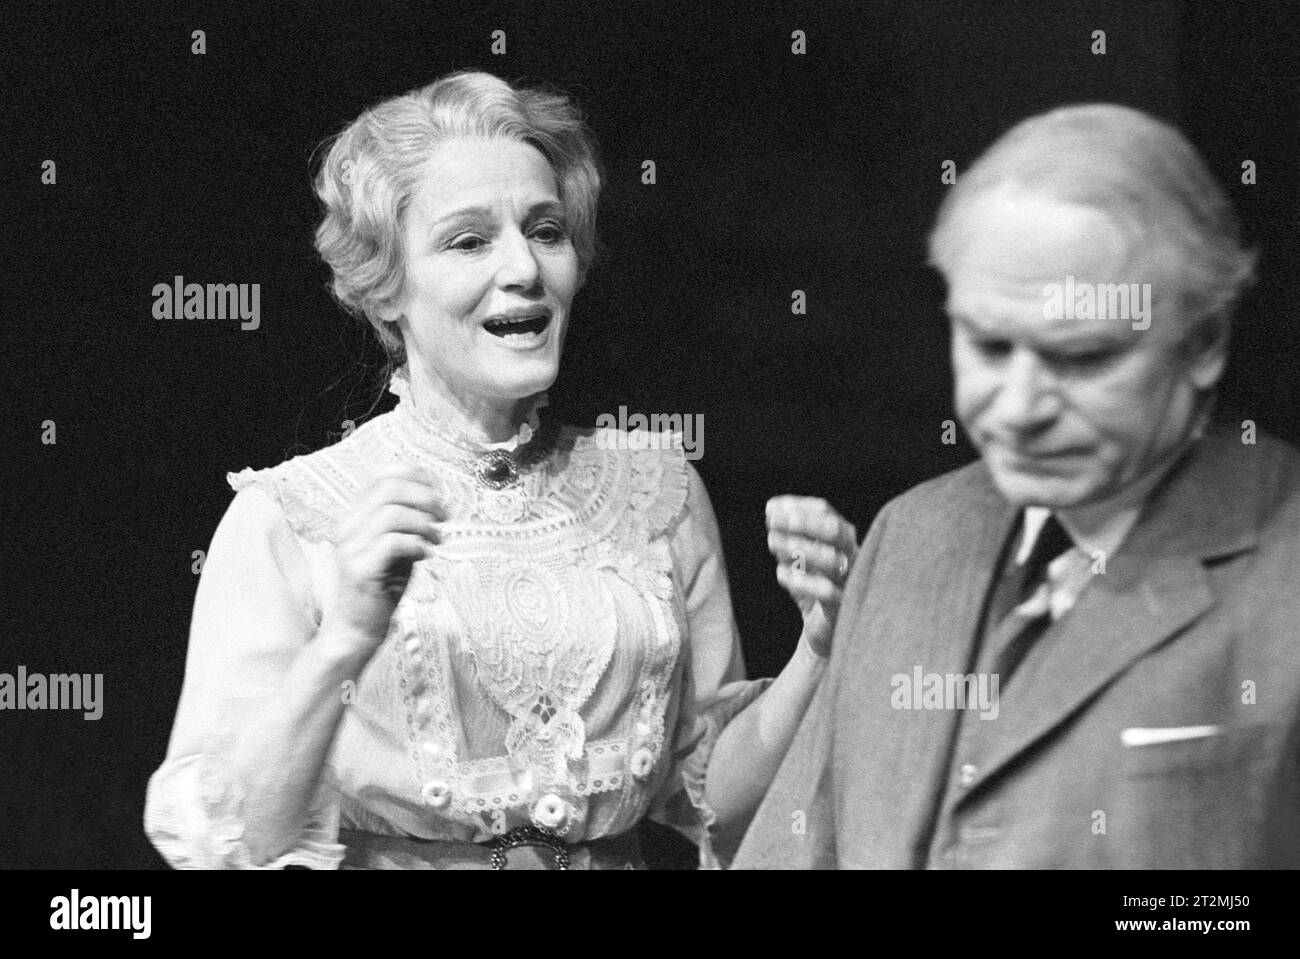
<point x="962" y="488"/>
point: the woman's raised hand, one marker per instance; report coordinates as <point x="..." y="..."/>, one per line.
<point x="390" y="526"/>
<point x="814" y="548"/>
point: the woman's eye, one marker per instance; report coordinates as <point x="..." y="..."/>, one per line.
<point x="467" y="244"/>
<point x="549" y="233"/>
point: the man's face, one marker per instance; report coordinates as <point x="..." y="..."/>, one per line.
<point x="1067" y="410"/>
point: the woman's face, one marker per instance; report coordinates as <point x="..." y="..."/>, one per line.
<point x="490" y="273"/>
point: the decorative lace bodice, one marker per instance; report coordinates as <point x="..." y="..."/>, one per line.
<point x="564" y="657"/>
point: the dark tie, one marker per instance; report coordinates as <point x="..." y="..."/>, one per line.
<point x="1008" y="636"/>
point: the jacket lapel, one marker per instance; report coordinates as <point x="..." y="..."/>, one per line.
<point x="1154" y="587"/>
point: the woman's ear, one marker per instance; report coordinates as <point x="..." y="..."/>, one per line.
<point x="390" y="312"/>
<point x="1207" y="347"/>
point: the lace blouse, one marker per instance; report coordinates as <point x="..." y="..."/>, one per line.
<point x="566" y="657"/>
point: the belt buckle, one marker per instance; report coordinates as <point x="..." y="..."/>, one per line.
<point x="529" y="836"/>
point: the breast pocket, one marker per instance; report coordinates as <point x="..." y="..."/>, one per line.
<point x="1202" y="802"/>
<point x="1230" y="747"/>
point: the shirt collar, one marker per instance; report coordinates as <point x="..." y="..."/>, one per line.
<point x="1109" y="521"/>
<point x="437" y="419"/>
<point x="1105" y="538"/>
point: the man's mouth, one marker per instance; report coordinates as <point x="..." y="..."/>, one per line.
<point x="518" y="323"/>
<point x="1054" y="462"/>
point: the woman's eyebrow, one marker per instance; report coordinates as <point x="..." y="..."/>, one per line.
<point x="465" y="213"/>
<point x="552" y="207"/>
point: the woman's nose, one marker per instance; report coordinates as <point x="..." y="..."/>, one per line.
<point x="518" y="267"/>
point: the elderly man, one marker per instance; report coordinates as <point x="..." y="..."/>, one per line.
<point x="1082" y="650"/>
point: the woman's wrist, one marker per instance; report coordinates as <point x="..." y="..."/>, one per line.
<point x="807" y="648"/>
<point x="808" y="656"/>
<point x="340" y="654"/>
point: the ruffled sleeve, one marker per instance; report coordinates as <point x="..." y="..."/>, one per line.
<point x="253" y="612"/>
<point x="714" y="685"/>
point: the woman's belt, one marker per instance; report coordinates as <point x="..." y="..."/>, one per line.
<point x="524" y="847"/>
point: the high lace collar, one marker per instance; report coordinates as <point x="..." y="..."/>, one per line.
<point x="438" y="421"/>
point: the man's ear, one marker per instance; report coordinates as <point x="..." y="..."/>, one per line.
<point x="1207" y="349"/>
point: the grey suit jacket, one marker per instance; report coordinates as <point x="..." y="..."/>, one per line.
<point x="1191" y="637"/>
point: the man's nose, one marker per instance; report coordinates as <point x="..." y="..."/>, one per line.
<point x="1027" y="395"/>
<point x="518" y="262"/>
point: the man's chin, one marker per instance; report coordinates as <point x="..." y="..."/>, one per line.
<point x="1053" y="492"/>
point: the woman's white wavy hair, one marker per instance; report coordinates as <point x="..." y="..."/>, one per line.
<point x="372" y="169"/>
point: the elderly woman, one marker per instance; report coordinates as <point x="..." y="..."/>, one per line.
<point x="466" y="636"/>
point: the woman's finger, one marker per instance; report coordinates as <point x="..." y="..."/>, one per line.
<point x="395" y="553"/>
<point x="809" y="588"/>
<point x="810" y="555"/>
<point x="406" y="489"/>
<point x="813" y="518"/>
<point x="393" y="518"/>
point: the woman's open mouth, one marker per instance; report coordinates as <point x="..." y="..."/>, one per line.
<point x="528" y="325"/>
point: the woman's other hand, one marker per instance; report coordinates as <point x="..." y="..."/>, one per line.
<point x="390" y="526"/>
<point x="814" y="548"/>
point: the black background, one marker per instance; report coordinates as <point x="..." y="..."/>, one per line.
<point x="776" y="172"/>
